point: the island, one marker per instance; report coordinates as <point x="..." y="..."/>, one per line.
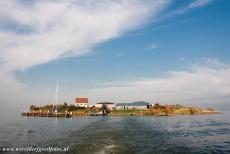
<point x="120" y="109"/>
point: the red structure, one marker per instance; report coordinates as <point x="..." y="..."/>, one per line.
<point x="81" y="100"/>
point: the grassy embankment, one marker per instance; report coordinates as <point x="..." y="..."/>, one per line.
<point x="165" y="111"/>
<point x="80" y="112"/>
<point x="126" y="112"/>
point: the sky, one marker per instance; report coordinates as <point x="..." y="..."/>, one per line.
<point x="166" y="51"/>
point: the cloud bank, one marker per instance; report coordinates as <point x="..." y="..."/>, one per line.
<point x="205" y="82"/>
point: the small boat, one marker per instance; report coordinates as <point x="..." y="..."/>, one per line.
<point x="101" y="113"/>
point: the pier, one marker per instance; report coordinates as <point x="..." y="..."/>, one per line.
<point x="48" y="114"/>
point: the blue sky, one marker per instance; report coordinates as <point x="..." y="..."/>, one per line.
<point x="159" y="51"/>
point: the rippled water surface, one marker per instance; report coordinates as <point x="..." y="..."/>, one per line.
<point x="130" y="134"/>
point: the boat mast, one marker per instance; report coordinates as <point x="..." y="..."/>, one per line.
<point x="56" y="96"/>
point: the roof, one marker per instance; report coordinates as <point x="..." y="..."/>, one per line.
<point x="105" y="103"/>
<point x="81" y="100"/>
<point x="139" y="103"/>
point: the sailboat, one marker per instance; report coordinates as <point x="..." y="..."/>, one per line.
<point x="54" y="113"/>
<point x="55" y="108"/>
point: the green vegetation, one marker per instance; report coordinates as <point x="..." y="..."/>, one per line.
<point x="126" y="112"/>
<point x="59" y="107"/>
<point x="157" y="109"/>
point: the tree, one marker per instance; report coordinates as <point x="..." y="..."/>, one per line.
<point x="72" y="107"/>
<point x="65" y="104"/>
<point x="33" y="107"/>
<point x="156" y="106"/>
<point x="178" y="106"/>
<point x="48" y="107"/>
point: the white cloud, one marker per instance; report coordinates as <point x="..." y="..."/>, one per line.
<point x="199" y="3"/>
<point x="9" y="82"/>
<point x="66" y="27"/>
<point x="193" y="4"/>
<point x="207" y="83"/>
<point x="11" y="91"/>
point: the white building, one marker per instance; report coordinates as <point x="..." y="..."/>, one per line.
<point x="109" y="105"/>
<point x="81" y="102"/>
<point x="134" y="105"/>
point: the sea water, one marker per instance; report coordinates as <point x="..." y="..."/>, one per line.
<point x="118" y="134"/>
